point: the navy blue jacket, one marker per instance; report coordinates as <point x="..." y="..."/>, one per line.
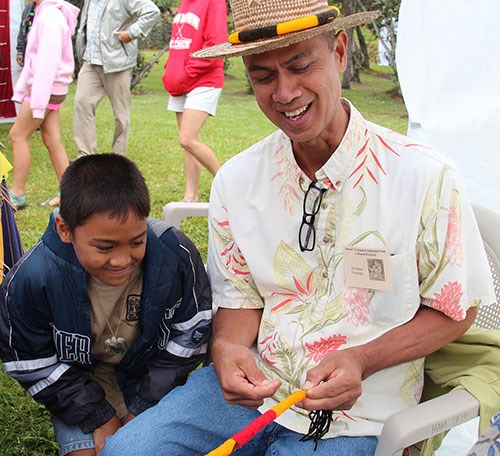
<point x="45" y="327"/>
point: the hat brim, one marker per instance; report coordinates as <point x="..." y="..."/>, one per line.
<point x="257" y="47"/>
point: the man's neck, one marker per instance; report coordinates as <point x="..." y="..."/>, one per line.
<point x="312" y="155"/>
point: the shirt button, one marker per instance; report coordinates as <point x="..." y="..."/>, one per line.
<point x="338" y="184"/>
<point x="324" y="205"/>
<point x="326" y="239"/>
<point x="325" y="274"/>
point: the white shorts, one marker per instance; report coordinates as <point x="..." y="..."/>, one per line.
<point x="202" y="99"/>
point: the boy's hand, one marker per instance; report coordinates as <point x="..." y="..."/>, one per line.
<point x="104" y="431"/>
<point x="129" y="417"/>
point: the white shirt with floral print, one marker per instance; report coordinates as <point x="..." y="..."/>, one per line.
<point x="383" y="192"/>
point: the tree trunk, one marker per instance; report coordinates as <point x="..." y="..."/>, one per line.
<point x="365" y="59"/>
<point x="147" y="68"/>
<point x="351" y="73"/>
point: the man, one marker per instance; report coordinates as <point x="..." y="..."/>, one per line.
<point x="107" y="49"/>
<point x="293" y="223"/>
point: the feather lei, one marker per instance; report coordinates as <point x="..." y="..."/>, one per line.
<point x="241" y="437"/>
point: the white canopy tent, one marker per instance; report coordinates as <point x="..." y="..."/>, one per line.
<point x="448" y="59"/>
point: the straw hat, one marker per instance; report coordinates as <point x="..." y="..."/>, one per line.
<point x="263" y="25"/>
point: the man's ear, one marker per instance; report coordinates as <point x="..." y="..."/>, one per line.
<point x="341" y="43"/>
<point x="63" y="230"/>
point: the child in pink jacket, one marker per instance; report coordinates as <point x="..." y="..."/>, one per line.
<point x="41" y="89"/>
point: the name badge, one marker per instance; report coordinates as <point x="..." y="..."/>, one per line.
<point x="368" y="268"/>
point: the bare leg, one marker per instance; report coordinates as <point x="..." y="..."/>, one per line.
<point x="52" y="139"/>
<point x="192" y="170"/>
<point x="19" y="136"/>
<point x="196" y="153"/>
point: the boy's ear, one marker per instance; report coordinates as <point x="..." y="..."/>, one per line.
<point x="63" y="230"/>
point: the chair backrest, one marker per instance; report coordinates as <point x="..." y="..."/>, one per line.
<point x="489" y="226"/>
<point x="174" y="212"/>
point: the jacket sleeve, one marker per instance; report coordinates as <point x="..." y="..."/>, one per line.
<point x="146" y="14"/>
<point x="214" y="32"/>
<point x="190" y="328"/>
<point x="45" y="65"/>
<point x="22" y="35"/>
<point x="28" y="351"/>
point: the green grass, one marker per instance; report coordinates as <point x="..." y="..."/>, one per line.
<point x="25" y="426"/>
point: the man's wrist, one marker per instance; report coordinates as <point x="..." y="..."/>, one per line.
<point x="362" y="356"/>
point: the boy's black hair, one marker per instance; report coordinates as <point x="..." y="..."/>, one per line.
<point x="102" y="183"/>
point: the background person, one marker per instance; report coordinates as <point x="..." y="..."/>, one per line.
<point x="41" y="90"/>
<point x="107" y="48"/>
<point x="27" y="17"/>
<point x="195" y="85"/>
<point x="108" y="311"/>
<point x="289" y="219"/>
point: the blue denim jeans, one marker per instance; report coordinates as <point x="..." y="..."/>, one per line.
<point x="71" y="437"/>
<point x="194" y="419"/>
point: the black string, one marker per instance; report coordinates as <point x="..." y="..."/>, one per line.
<point x="320" y="424"/>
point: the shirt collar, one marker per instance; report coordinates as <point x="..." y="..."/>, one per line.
<point x="336" y="171"/>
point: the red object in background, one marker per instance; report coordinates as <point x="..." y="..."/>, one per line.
<point x="7" y="107"/>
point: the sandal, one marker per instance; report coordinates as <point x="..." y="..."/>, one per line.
<point x="49" y="202"/>
<point x="18" y="202"/>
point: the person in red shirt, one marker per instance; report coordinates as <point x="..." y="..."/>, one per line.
<point x="195" y="85"/>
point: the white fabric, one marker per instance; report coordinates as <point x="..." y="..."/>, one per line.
<point x="460" y="439"/>
<point x="382" y="192"/>
<point x="15" y="9"/>
<point x="448" y="59"/>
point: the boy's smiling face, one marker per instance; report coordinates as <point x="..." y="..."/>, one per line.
<point x="108" y="248"/>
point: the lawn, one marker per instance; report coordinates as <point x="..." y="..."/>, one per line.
<point x="25" y="426"/>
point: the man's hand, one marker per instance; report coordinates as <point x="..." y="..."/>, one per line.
<point x="123" y="36"/>
<point x="335" y="383"/>
<point x="242" y="382"/>
<point x="104" y="431"/>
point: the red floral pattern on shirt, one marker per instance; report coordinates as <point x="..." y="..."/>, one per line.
<point x="453" y="244"/>
<point x="305" y="292"/>
<point x="448" y="301"/>
<point x="322" y="347"/>
<point x="367" y="162"/>
<point x="269" y="346"/>
<point x="233" y="258"/>
<point x="357" y="303"/>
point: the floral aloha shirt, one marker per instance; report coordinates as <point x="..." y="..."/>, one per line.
<point x="383" y="191"/>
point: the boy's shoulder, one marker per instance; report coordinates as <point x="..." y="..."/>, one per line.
<point x="172" y="238"/>
<point x="158" y="227"/>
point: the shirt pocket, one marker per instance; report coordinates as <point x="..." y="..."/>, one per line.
<point x="399" y="305"/>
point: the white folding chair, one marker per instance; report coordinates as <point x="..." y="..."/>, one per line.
<point x="408" y="427"/>
<point x="174" y="212"/>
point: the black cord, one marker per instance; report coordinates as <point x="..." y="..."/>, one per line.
<point x="320" y="424"/>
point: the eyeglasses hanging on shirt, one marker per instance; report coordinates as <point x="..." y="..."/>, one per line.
<point x="311" y="205"/>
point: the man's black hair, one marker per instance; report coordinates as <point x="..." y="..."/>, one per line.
<point x="102" y="183"/>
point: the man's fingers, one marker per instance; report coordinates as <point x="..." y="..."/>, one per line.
<point x="342" y="401"/>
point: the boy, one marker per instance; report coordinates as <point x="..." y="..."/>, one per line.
<point x="109" y="311"/>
